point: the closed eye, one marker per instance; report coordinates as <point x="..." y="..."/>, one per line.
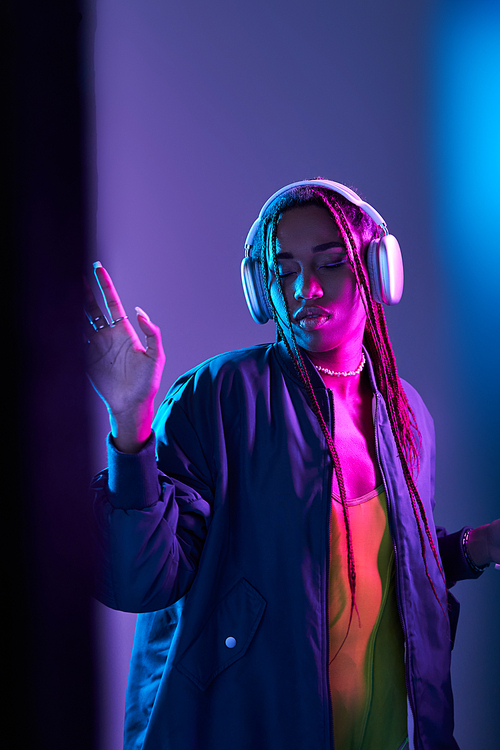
<point x="289" y="267"/>
<point x="283" y="271"/>
<point x="334" y="264"/>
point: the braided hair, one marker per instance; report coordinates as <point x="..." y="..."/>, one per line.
<point x="349" y="217"/>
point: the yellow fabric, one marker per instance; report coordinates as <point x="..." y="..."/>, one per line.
<point x="367" y="680"/>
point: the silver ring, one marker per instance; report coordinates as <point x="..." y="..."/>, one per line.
<point x="98" y="327"/>
<point x="124" y="317"/>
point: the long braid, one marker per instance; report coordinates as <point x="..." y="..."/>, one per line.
<point x="401" y="416"/>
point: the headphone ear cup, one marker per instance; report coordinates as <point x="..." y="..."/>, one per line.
<point x="385" y="270"/>
<point x="373" y="270"/>
<point x="254" y="290"/>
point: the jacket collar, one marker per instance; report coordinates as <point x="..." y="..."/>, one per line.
<point x="288" y="365"/>
<point x="314" y="376"/>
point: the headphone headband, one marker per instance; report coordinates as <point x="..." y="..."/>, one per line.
<point x="335" y="187"/>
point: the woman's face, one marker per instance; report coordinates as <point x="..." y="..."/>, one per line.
<point x="325" y="306"/>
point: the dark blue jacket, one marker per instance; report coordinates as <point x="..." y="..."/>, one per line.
<point x="224" y="551"/>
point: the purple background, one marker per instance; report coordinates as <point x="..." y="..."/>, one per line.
<point x="204" y="109"/>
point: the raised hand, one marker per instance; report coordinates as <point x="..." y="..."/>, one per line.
<point x="125" y="374"/>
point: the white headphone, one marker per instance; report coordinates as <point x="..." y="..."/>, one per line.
<point x="383" y="259"/>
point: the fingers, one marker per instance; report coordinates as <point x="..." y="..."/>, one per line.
<point x="113" y="302"/>
<point x="116" y="311"/>
<point x="140" y="312"/>
<point x="95" y="316"/>
<point x="152" y="332"/>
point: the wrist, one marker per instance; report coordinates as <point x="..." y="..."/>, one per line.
<point x="131" y="430"/>
<point x="476" y="547"/>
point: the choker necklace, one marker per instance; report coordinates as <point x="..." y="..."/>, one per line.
<point x="345" y="373"/>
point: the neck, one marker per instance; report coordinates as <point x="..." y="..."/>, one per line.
<point x="343" y="373"/>
<point x="345" y="358"/>
<point x="345" y="376"/>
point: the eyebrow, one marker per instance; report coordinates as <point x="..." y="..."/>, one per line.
<point x="316" y="249"/>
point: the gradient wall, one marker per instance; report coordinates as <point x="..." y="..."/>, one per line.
<point x="204" y="109"/>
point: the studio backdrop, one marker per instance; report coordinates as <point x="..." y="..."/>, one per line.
<point x="202" y="110"/>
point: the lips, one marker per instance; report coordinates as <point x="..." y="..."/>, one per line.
<point x="310" y="317"/>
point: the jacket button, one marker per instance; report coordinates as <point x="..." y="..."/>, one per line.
<point x="230" y="642"/>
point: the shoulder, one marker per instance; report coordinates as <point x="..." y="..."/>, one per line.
<point x="221" y="386"/>
<point x="415" y="401"/>
<point x="414" y="398"/>
<point x="243" y="364"/>
<point x="422" y="414"/>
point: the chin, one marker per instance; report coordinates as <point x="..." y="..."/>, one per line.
<point x="317" y="344"/>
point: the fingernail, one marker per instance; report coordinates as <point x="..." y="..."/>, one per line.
<point x="140" y="311"/>
<point x="97" y="264"/>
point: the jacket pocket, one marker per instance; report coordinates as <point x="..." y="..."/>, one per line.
<point x="226" y="635"/>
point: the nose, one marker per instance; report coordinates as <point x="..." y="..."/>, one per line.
<point x="307" y="286"/>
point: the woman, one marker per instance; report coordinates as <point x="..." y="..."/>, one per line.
<point x="280" y="545"/>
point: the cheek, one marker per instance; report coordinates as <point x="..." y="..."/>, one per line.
<point x="277" y="296"/>
<point x="340" y="288"/>
<point x="351" y="307"/>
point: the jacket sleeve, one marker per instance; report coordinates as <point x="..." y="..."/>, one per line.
<point x="455" y="565"/>
<point x="149" y="530"/>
